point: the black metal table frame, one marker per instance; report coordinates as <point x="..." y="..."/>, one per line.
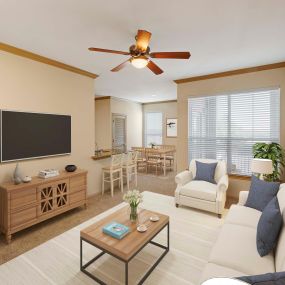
<point x="83" y="267"/>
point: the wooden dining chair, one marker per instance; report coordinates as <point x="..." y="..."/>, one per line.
<point x="141" y="158"/>
<point x="170" y="156"/>
<point x="153" y="161"/>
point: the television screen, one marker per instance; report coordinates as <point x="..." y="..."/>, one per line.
<point x="31" y="135"/>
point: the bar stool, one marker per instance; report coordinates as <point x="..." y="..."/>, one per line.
<point x="130" y="168"/>
<point x="109" y="171"/>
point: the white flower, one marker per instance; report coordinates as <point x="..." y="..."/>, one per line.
<point x="133" y="197"/>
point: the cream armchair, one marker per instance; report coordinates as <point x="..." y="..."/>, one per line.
<point x="202" y="194"/>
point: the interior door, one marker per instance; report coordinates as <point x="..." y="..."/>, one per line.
<point x="119" y="144"/>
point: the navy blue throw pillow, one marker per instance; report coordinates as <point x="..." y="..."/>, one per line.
<point x="261" y="193"/>
<point x="268" y="228"/>
<point x="277" y="278"/>
<point x="206" y="171"/>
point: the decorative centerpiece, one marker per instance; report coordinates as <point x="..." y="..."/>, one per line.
<point x="70" y="168"/>
<point x="133" y="198"/>
<point x="27" y="179"/>
<point x="152" y="144"/>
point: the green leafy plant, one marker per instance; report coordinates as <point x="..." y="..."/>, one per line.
<point x="272" y="151"/>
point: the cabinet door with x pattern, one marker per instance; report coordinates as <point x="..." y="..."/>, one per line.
<point x="52" y="196"/>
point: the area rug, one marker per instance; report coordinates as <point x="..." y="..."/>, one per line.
<point x="192" y="235"/>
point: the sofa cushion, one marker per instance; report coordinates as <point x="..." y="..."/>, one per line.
<point x="280" y="249"/>
<point x="243" y="216"/>
<point x="221" y="168"/>
<point x="277" y="278"/>
<point x="200" y="189"/>
<point x="261" y="193"/>
<point x="206" y="171"/>
<point x="268" y="228"/>
<point x="280" y="252"/>
<point x="213" y="270"/>
<point x="236" y="249"/>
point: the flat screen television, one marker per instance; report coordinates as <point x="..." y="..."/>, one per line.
<point x="27" y="135"/>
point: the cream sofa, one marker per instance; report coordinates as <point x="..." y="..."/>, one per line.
<point x="234" y="253"/>
<point x="201" y="194"/>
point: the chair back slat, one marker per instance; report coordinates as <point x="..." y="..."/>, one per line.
<point x="140" y="152"/>
<point x="117" y="160"/>
<point x="134" y="156"/>
<point x="151" y="155"/>
<point x="166" y="146"/>
<point x="128" y="158"/>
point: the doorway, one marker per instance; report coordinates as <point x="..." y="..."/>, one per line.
<point x="119" y="126"/>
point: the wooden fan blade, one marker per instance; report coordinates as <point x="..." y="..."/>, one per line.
<point x="154" y="68"/>
<point x="121" y="66"/>
<point x="108" y="51"/>
<point x="143" y="38"/>
<point x="174" y="55"/>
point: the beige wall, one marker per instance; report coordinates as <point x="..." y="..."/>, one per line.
<point x="104" y="109"/>
<point x="103" y="119"/>
<point x="169" y="110"/>
<point x="255" y="80"/>
<point x="32" y="86"/>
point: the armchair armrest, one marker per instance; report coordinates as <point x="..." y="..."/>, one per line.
<point x="242" y="197"/>
<point x="223" y="183"/>
<point x="183" y="177"/>
<point x="282" y="185"/>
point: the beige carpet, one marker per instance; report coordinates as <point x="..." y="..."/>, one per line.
<point x="192" y="234"/>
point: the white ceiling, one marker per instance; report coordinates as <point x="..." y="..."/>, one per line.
<point x="221" y="35"/>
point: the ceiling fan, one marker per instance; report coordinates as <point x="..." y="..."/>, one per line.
<point x="141" y="55"/>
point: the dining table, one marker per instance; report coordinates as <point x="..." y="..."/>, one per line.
<point x="161" y="152"/>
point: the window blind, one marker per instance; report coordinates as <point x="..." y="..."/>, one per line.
<point x="152" y="128"/>
<point x="227" y="126"/>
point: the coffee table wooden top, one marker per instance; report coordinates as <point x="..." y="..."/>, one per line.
<point x="132" y="242"/>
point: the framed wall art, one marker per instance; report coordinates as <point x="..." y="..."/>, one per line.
<point x="171" y="127"/>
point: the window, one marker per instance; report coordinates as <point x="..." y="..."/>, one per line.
<point x="152" y="128"/>
<point x="227" y="126"/>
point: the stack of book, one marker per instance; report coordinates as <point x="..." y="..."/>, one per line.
<point x="48" y="173"/>
<point x="116" y="230"/>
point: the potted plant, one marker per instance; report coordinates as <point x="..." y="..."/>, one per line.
<point x="273" y="151"/>
<point x="133" y="198"/>
<point x="152" y="144"/>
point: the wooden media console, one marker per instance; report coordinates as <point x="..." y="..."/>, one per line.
<point x="26" y="204"/>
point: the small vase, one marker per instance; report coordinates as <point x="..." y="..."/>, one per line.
<point x="17" y="175"/>
<point x="134" y="214"/>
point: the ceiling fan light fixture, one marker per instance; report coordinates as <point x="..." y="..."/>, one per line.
<point x="139" y="62"/>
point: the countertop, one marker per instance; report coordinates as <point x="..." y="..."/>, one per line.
<point x="104" y="154"/>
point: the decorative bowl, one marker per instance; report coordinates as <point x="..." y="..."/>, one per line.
<point x="154" y="218"/>
<point x="142" y="228"/>
<point x="27" y="179"/>
<point x="70" y="168"/>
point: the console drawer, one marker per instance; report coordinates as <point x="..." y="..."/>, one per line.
<point x="22" y="217"/>
<point x="22" y="198"/>
<point x="77" y="183"/>
<point x="76" y="197"/>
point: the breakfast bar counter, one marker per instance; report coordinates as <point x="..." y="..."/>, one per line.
<point x="102" y="155"/>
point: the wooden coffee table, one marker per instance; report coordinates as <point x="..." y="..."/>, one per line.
<point x="128" y="247"/>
